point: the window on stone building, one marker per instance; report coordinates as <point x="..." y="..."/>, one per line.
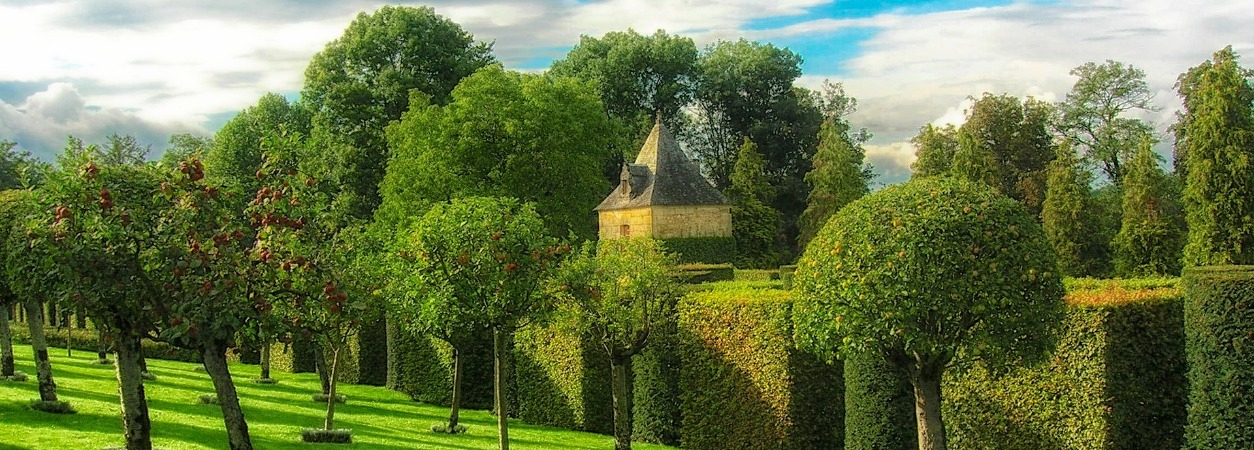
<point x="624" y="230"/>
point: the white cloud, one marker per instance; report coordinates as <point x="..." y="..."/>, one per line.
<point x="45" y="119"/>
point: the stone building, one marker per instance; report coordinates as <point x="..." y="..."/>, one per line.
<point x="663" y="196"/>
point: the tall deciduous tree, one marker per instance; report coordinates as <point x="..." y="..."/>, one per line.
<point x="362" y="81"/>
<point x="1152" y="232"/>
<point x="15" y="205"/>
<point x="235" y="156"/>
<point x="1064" y="214"/>
<point x="1007" y="144"/>
<point x="1219" y="172"/>
<point x="637" y="77"/>
<point x="622" y="290"/>
<point x="1095" y="115"/>
<point x="929" y="273"/>
<point x="934" y="150"/>
<point x="494" y="253"/>
<point x="840" y="176"/>
<point x="540" y="139"/>
<point x="754" y="223"/>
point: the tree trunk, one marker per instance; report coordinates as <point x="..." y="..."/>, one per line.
<point x="136" y="425"/>
<point x="102" y="352"/>
<point x="143" y="360"/>
<point x="502" y="409"/>
<point x="6" y="344"/>
<point x="457" y="391"/>
<point x="214" y="357"/>
<point x="335" y="360"/>
<point x="320" y="366"/>
<point x="43" y="369"/>
<point x="926" y="379"/>
<point x="622" y="403"/>
<point x="265" y="359"/>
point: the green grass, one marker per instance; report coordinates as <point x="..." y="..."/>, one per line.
<point x="379" y="418"/>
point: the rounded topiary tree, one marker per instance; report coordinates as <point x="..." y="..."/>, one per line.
<point x="929" y="273"/>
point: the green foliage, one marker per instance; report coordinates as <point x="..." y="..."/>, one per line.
<point x="1218" y="317"/>
<point x="706" y="249"/>
<point x="621" y="289"/>
<point x="879" y="405"/>
<point x="421" y="366"/>
<point x="754" y="223"/>
<point x="53" y="407"/>
<point x="318" y="435"/>
<point x="362" y="81"/>
<point x="637" y="77"/>
<point x="840" y="175"/>
<point x="1092" y="115"/>
<point x="1219" y="129"/>
<point x="655" y="388"/>
<point x="236" y="154"/>
<point x="1115" y="381"/>
<point x="1007" y="144"/>
<point x="743" y="384"/>
<point x="1065" y="216"/>
<point x="89" y="341"/>
<point x="916" y="266"/>
<point x="1152" y="232"/>
<point x="934" y="150"/>
<point x="18" y="169"/>
<point x="539" y="139"/>
<point x="756" y="275"/>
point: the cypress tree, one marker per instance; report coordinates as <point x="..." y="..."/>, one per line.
<point x="839" y="176"/>
<point x="1219" y="183"/>
<point x="754" y="223"/>
<point x="1150" y="238"/>
<point x="1063" y="215"/>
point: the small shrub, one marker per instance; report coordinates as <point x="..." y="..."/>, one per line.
<point x="57" y="407"/>
<point x="102" y="362"/>
<point x="265" y="381"/>
<point x="702" y="249"/>
<point x="322" y="398"/>
<point x="785" y="275"/>
<point x="17" y="377"/>
<point x="208" y="399"/>
<point x="199" y="369"/>
<point x="443" y="428"/>
<point x="756" y="275"/>
<point x="148" y="376"/>
<point x="704" y="273"/>
<point x="318" y="435"/>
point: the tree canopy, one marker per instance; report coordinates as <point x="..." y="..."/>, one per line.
<point x="1095" y="115"/>
<point x="1007" y="144"/>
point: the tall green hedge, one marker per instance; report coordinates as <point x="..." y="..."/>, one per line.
<point x="372" y="353"/>
<point x="1115" y="381"/>
<point x="562" y="377"/>
<point x="743" y="385"/>
<point x="655" y="372"/>
<point x="879" y="405"/>
<point x="709" y="250"/>
<point x="421" y="367"/>
<point x="1219" y="324"/>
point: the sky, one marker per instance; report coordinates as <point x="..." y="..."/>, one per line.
<point x="151" y="68"/>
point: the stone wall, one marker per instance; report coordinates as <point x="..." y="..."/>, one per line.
<point x="665" y="222"/>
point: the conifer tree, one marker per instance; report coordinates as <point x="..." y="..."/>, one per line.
<point x="1063" y="213"/>
<point x="839" y="177"/>
<point x="1150" y="238"/>
<point x="1219" y="183"/>
<point x="754" y="223"/>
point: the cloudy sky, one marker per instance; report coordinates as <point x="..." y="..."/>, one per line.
<point x="151" y="68"/>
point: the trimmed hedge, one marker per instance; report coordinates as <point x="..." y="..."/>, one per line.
<point x="372" y="353"/>
<point x="299" y="357"/>
<point x="1219" y="324"/>
<point x="879" y="406"/>
<point x="756" y="275"/>
<point x="743" y="385"/>
<point x="1115" y="381"/>
<point x="562" y="378"/>
<point x="422" y="367"/>
<point x="785" y="275"/>
<point x="705" y="273"/>
<point x="655" y="389"/>
<point x="710" y="250"/>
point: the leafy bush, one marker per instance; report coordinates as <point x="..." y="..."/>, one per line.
<point x="1218" y="323"/>
<point x="318" y="435"/>
<point x="443" y="428"/>
<point x="705" y="273"/>
<point x="17" y="377"/>
<point x="207" y="399"/>
<point x="322" y="398"/>
<point x="264" y="381"/>
<point x="1115" y="381"/>
<point x="785" y="275"/>
<point x="728" y="286"/>
<point x="879" y="405"/>
<point x="710" y="250"/>
<point x="743" y="384"/>
<point x="53" y="407"/>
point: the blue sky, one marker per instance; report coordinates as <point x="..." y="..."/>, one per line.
<point x="153" y="68"/>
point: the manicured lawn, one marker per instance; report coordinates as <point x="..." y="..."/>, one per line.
<point x="379" y="418"/>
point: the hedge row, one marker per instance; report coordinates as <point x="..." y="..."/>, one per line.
<point x="364" y="361"/>
<point x="561" y="377"/>
<point x="756" y="275"/>
<point x="422" y="367"/>
<point x="88" y="340"/>
<point x="1115" y="381"/>
<point x="710" y="250"/>
<point x="1219" y="324"/>
<point x="742" y="383"/>
<point x="706" y="273"/>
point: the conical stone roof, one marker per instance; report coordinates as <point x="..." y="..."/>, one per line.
<point x="661" y="175"/>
